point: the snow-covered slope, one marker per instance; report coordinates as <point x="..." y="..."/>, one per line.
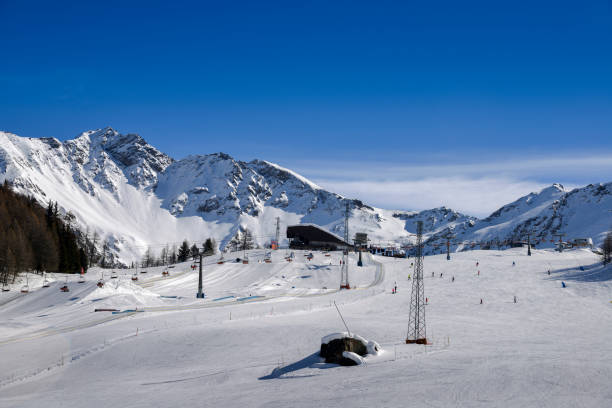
<point x="253" y="341"/>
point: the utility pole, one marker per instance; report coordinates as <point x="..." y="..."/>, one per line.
<point x="344" y="280"/>
<point x="448" y="237"/>
<point x="200" y="294"/>
<point x="529" y="243"/>
<point x="417" y="333"/>
<point x="560" y="248"/>
<point x="275" y="244"/>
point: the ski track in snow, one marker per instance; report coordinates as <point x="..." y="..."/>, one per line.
<point x="183" y="351"/>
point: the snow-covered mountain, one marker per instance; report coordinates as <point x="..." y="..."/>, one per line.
<point x="580" y="213"/>
<point x="135" y="197"/>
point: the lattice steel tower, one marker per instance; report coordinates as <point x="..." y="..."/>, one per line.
<point x="416" y="321"/>
<point x="344" y="280"/>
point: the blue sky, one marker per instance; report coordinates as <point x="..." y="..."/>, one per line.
<point x="330" y="88"/>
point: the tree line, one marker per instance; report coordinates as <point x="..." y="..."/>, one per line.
<point x="171" y="255"/>
<point x="34" y="238"/>
<point x="242" y="241"/>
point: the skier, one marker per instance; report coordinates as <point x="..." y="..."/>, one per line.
<point x="432" y="274"/>
<point x="513" y="263"/>
<point x="408" y="276"/>
<point x="476" y="263"/>
<point x="452" y="280"/>
<point x="514" y="299"/>
<point x="563" y="284"/>
<point x="481" y="301"/>
<point x="478" y="273"/>
<point x="395" y="287"/>
<point x="440" y="274"/>
<point x="426" y="300"/>
<point x="549" y="272"/>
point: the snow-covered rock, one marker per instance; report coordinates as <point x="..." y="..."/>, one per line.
<point x="347" y="348"/>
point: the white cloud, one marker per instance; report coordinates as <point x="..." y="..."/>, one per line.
<point x="477" y="197"/>
<point x="477" y="187"/>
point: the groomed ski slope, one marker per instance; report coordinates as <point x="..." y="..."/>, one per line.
<point x="253" y="340"/>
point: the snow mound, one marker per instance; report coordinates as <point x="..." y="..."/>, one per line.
<point x="120" y="294"/>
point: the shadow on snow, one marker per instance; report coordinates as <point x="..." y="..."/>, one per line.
<point x="589" y="273"/>
<point x="311" y="361"/>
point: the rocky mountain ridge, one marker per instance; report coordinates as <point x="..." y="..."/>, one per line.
<point x="136" y="197"/>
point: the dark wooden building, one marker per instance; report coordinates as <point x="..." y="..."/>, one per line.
<point x="311" y="236"/>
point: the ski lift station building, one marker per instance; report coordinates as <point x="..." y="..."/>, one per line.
<point x="311" y="236"/>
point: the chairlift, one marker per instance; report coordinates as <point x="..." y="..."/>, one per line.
<point x="135" y="276"/>
<point x="65" y="287"/>
<point x="25" y="288"/>
<point x="45" y="281"/>
<point x="114" y="275"/>
<point x="165" y="273"/>
<point x="100" y="283"/>
<point x="245" y="259"/>
<point x="143" y="271"/>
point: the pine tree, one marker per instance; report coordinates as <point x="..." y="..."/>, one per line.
<point x="183" y="252"/>
<point x="247" y="240"/>
<point x="209" y="247"/>
<point x="163" y="257"/>
<point x="172" y="256"/>
<point x="148" y="258"/>
<point x="194" y="251"/>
